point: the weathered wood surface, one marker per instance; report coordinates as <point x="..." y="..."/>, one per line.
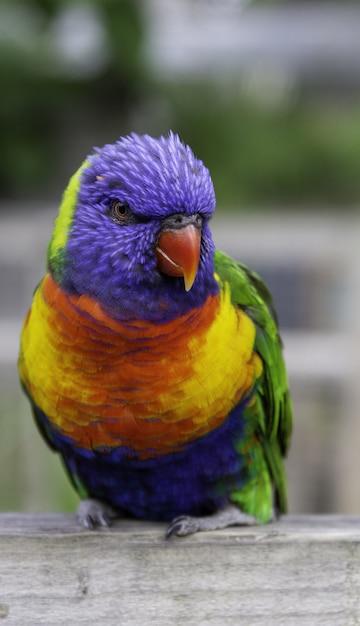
<point x="298" y="571"/>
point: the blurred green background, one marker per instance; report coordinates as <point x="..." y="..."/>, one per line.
<point x="267" y="94"/>
<point x="78" y="74"/>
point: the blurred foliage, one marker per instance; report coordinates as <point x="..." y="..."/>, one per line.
<point x="61" y="96"/>
<point x="299" y="153"/>
<point x="272" y="2"/>
<point x="46" y="92"/>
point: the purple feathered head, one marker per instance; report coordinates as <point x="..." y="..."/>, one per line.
<point x="132" y="229"/>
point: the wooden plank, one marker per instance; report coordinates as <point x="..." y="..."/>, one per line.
<point x="298" y="571"/>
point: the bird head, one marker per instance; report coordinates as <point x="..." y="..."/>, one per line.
<point x="133" y="229"/>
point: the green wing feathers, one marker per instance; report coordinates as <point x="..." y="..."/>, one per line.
<point x="272" y="408"/>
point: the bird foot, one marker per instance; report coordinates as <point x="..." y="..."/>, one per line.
<point x="92" y="513"/>
<point x="230" y="516"/>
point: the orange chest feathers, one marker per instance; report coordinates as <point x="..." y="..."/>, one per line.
<point x="143" y="385"/>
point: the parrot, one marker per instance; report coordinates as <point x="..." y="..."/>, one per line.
<point x="152" y="361"/>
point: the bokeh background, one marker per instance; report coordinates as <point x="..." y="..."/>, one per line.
<point x="267" y="94"/>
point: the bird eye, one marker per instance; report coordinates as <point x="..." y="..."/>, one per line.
<point x="120" y="211"/>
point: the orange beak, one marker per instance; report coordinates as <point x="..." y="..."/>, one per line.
<point x="178" y="253"/>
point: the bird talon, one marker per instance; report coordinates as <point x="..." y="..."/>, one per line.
<point x="88" y="522"/>
<point x="104" y="520"/>
<point x="181" y="526"/>
<point x="172" y="530"/>
<point x="92" y="513"/>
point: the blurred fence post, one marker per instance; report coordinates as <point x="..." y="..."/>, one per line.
<point x="346" y="461"/>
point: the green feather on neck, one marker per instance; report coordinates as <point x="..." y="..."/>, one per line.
<point x="63" y="222"/>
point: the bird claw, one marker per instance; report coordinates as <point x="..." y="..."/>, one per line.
<point x="182" y="526"/>
<point x="231" y="515"/>
<point x="92" y="513"/>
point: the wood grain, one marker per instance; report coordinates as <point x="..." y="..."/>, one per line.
<point x="298" y="571"/>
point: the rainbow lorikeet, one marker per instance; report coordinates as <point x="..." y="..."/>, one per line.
<point x="152" y="361"/>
